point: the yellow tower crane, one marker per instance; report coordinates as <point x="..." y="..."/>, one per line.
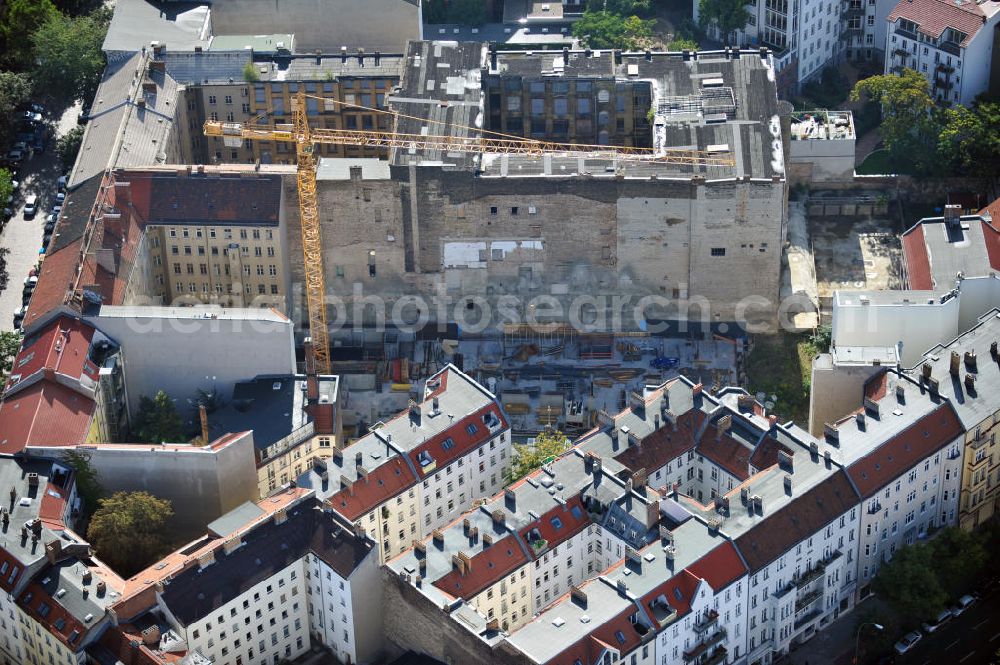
<point x="305" y="138"/>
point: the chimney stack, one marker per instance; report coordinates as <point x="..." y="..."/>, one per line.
<point x="955" y="363"/>
<point x="970" y="383"/>
<point x="722" y="426"/>
<point x="970" y="361"/>
<point x="203" y="416"/>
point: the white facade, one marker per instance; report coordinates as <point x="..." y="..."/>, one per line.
<point x="957" y="74"/>
<point x="716" y="618"/>
<point x="803" y="590"/>
<point x="267" y="623"/>
<point x="923" y="498"/>
<point x="11" y="647"/>
<point x="346" y="613"/>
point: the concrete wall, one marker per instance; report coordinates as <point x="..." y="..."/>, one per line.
<point x="567" y="237"/>
<point x="201" y="483"/>
<point x="830" y="160"/>
<point x="319" y="24"/>
<point x="183" y="355"/>
<point x="367" y="605"/>
<point x="836" y="390"/>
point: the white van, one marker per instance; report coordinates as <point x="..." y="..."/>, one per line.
<point x="30" y="206"/>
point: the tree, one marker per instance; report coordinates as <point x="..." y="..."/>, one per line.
<point x="727" y="15"/>
<point x="966" y="555"/>
<point x="682" y="44"/>
<point x="68" y="146"/>
<point x="529" y="456"/>
<point x="908" y="125"/>
<point x="68" y="55"/>
<point x="157" y="420"/>
<point x="462" y="12"/>
<point x="10" y="342"/>
<point x="603" y="29"/>
<point x="15" y="90"/>
<point x="6" y="185"/>
<point x="87" y="484"/>
<point x="968" y="141"/>
<point x="910" y="583"/>
<point x="18" y="19"/>
<point x="129" y="530"/>
<point x="622" y="7"/>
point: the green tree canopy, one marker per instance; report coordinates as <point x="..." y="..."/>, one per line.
<point x="15" y="89"/>
<point x="528" y="457"/>
<point x="728" y="15"/>
<point x="910" y="582"/>
<point x="87" y="484"/>
<point x="157" y="420"/>
<point x="463" y="12"/>
<point x="605" y="29"/>
<point x="68" y="146"/>
<point x="622" y="7"/>
<point x="908" y="125"/>
<point x="68" y="55"/>
<point x="18" y="19"/>
<point x="10" y="342"/>
<point x="968" y="141"/>
<point x="682" y="44"/>
<point x="129" y="530"/>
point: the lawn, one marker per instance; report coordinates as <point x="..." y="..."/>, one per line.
<point x="879" y="162"/>
<point x="781" y="365"/>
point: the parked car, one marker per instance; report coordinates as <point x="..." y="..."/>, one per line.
<point x="39" y="144"/>
<point x="908" y="641"/>
<point x="32" y="116"/>
<point x="50" y="223"/>
<point x="55" y="209"/>
<point x="21" y="145"/>
<point x="29" y="282"/>
<point x="31" y="206"/>
<point x="15" y="156"/>
<point x="37" y="108"/>
<point x="61" y="182"/>
<point x="60" y="197"/>
<point x="936" y="622"/>
<point x="84" y="115"/>
<point x="962" y="604"/>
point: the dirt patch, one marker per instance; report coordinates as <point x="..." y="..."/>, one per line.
<point x="856" y="255"/>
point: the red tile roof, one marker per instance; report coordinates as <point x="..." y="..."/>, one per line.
<point x="44" y="414"/>
<point x="61" y="347"/>
<point x="14" y="569"/>
<point x="918" y="263"/>
<point x="725" y="452"/>
<point x="588" y="651"/>
<point x="31" y="601"/>
<point x="462" y="441"/>
<point x="933" y="17"/>
<point x="55" y="281"/>
<point x="573" y="518"/>
<point x="678" y="591"/>
<point x="488" y="567"/>
<point x="53" y="506"/>
<point x="366" y="494"/>
<point x="894" y="457"/>
<point x="766" y="454"/>
<point x="993" y="210"/>
<point x="720" y="567"/>
<point x="663" y="445"/>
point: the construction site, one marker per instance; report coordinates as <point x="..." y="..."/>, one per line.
<point x="545" y="377"/>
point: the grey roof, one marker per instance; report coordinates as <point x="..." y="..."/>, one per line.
<point x="955" y="249"/>
<point x="339" y="168"/>
<point x="205" y="67"/>
<point x="235" y="519"/>
<point x="193" y="313"/>
<point x="258" y="43"/>
<point x="329" y="67"/>
<point x="120" y="132"/>
<point x="976" y="405"/>
<point x="136" y="23"/>
<point x="273" y="406"/>
<point x="25" y="506"/>
<point x="80" y="597"/>
<point x="443" y="87"/>
<point x="534" y="36"/>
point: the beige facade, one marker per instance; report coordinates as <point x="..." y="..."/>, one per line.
<point x="508" y="601"/>
<point x="233" y="266"/>
<point x="292" y="461"/>
<point x="395" y="524"/>
<point x="41" y="647"/>
<point x="980" y="477"/>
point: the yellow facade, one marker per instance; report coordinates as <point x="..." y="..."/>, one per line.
<point x="980" y="475"/>
<point x="278" y="471"/>
<point x="234" y="266"/>
<point x="508" y="601"/>
<point x="42" y="647"/>
<point x="395" y="524"/>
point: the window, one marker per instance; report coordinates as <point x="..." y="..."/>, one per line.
<point x="718" y="251"/>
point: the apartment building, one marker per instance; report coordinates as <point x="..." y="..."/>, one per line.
<point x="903" y="452"/>
<point x="806" y="36"/>
<point x="54" y="593"/>
<point x="953" y="44"/>
<point x="971" y="361"/>
<point x="414" y="473"/>
<point x="295" y="419"/>
<point x="269" y="581"/>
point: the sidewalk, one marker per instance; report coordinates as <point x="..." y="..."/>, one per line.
<point x="833" y="645"/>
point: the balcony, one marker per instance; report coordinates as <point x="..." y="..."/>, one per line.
<point x="811" y="616"/>
<point x="811" y="576"/>
<point x="907" y="34"/>
<point x="942" y="83"/>
<point x="948" y="69"/>
<point x="807" y="600"/>
<point x="855" y="9"/>
<point x="703" y="646"/>
<point x="718" y="656"/>
<point x="952" y="48"/>
<point x="706" y="622"/>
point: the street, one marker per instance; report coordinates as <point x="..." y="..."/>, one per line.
<point x="23" y="238"/>
<point x="970" y="639"/>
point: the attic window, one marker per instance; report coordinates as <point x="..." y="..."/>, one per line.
<point x="44" y="609"/>
<point x="576" y="512"/>
<point x="471" y="428"/>
<point x="60" y="624"/>
<point x="74" y="636"/>
<point x="448" y="444"/>
<point x="620" y="636"/>
<point x="556" y="523"/>
<point x="677" y="593"/>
